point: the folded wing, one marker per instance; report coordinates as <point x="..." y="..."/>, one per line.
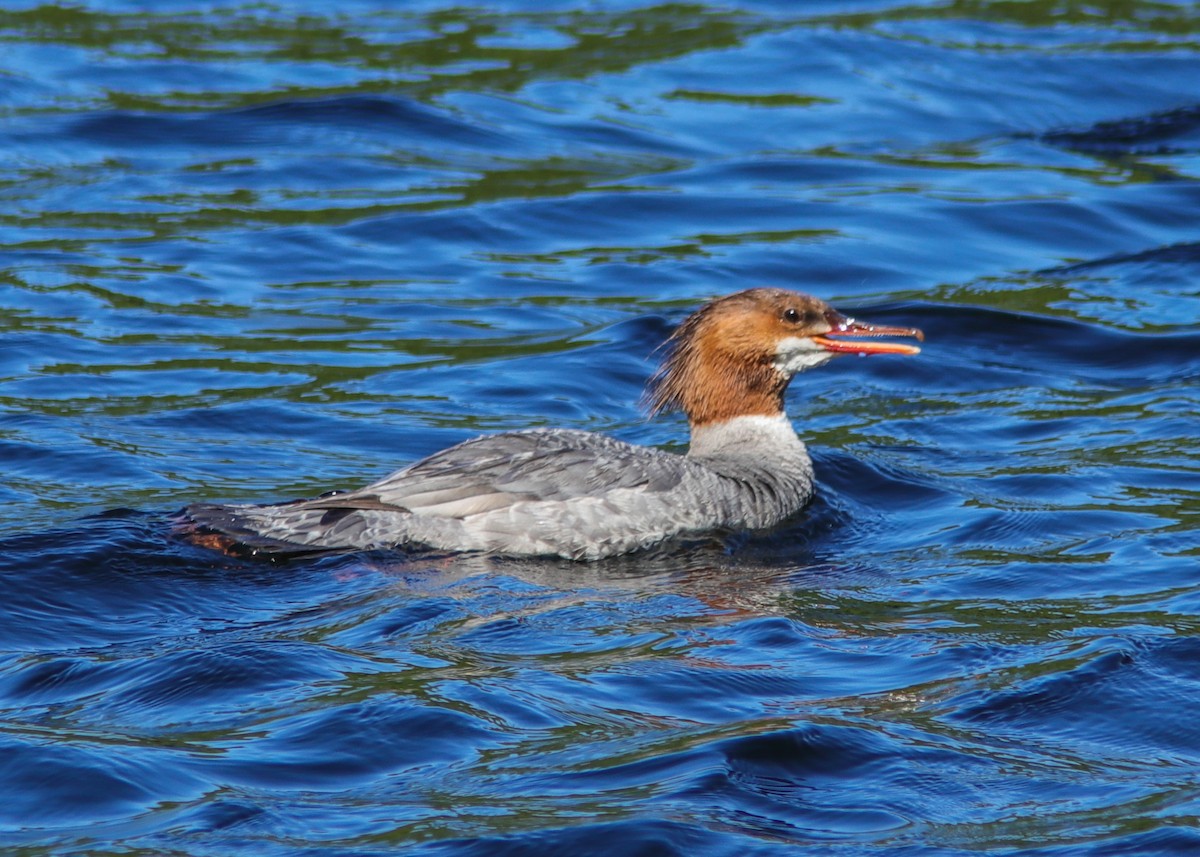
<point x="471" y="496"/>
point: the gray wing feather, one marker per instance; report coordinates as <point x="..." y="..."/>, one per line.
<point x="553" y="464"/>
<point x="470" y="494"/>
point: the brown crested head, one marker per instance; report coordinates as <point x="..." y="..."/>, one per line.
<point x="735" y="355"/>
<point x="721" y="361"/>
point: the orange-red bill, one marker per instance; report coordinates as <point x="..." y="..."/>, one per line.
<point x="851" y="328"/>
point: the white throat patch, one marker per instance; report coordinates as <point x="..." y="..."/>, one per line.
<point x="798" y="353"/>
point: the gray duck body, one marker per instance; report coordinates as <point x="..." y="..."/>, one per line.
<point x="549" y="492"/>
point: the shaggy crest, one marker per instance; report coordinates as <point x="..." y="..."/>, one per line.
<point x="720" y="361"/>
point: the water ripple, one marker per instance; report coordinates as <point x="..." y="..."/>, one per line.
<point x="253" y="253"/>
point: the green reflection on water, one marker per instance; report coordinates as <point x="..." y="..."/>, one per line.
<point x="421" y="56"/>
<point x="696" y="246"/>
<point x="774" y="100"/>
<point x="189" y="214"/>
<point x="425" y="55"/>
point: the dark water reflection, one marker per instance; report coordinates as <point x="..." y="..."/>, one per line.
<point x="253" y="252"/>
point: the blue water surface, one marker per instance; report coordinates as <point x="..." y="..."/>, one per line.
<point x="258" y="251"/>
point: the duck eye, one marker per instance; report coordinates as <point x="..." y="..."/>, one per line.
<point x="791" y="314"/>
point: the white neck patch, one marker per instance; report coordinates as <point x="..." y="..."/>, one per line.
<point x="753" y="434"/>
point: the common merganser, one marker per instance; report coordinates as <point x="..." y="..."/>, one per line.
<point x="586" y="496"/>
